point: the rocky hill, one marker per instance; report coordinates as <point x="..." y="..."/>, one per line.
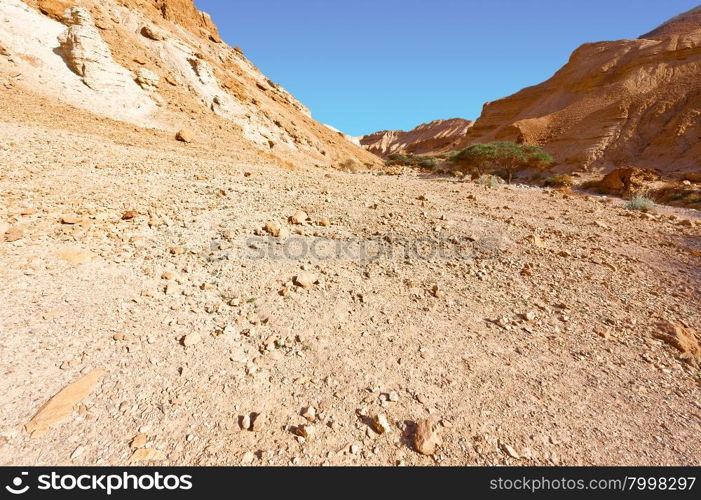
<point x="430" y="137"/>
<point x="159" y="64"/>
<point x="629" y="102"/>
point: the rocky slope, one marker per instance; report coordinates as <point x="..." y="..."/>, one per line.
<point x="628" y="102"/>
<point x="159" y="64"/>
<point x="430" y="137"/>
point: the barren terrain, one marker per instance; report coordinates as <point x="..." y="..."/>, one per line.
<point x="531" y="340"/>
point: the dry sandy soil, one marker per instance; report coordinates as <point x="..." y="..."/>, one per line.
<point x="531" y="341"/>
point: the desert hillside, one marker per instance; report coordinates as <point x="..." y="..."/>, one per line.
<point x="629" y="102"/>
<point x="168" y="303"/>
<point x="437" y="135"/>
<point x="160" y="65"/>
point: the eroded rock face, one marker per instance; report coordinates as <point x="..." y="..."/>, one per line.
<point x="87" y="54"/>
<point x="435" y="136"/>
<point x="184" y="13"/>
<point x="635" y="102"/>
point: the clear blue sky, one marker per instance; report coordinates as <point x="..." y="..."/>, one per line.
<point x="369" y="65"/>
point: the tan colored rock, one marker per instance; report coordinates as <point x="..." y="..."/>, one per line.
<point x="129" y="214"/>
<point x="61" y="405"/>
<point x="426" y="438"/>
<point x="682" y="339"/>
<point x="13" y="234"/>
<point x="55" y="9"/>
<point x="185" y="135"/>
<point x="71" y="219"/>
<point x="75" y="256"/>
<point x="299" y="217"/>
<point x="138" y="441"/>
<point x="305" y="279"/>
<point x="151" y="33"/>
<point x="147" y="79"/>
<point x="272" y="228"/>
<point x="380" y="424"/>
<point x="309" y="413"/>
<point x="438" y="135"/>
<point x="191" y="339"/>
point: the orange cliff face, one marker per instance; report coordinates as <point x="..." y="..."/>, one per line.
<point x="161" y="64"/>
<point x="628" y="102"/>
<point x="433" y="137"/>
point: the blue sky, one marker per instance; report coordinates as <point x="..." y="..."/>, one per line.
<point x="370" y="65"/>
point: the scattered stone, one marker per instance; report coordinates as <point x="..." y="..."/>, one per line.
<point x="272" y="228"/>
<point x="426" y="438"/>
<point x="300" y="217"/>
<point x="305" y="280"/>
<point x="248" y="458"/>
<point x="13" y="234"/>
<point x="393" y="396"/>
<point x="71" y="220"/>
<point x="129" y="214"/>
<point x="60" y="406"/>
<point x="380" y="424"/>
<point x="138" y="441"/>
<point x="306" y="431"/>
<point x="245" y="422"/>
<point x="185" y="135"/>
<point x="324" y="222"/>
<point x="309" y="413"/>
<point x="509" y="450"/>
<point x="149" y="33"/>
<point x="191" y="339"/>
<point x="682" y="339"/>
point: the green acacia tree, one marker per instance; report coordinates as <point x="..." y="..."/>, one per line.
<point x="508" y="156"/>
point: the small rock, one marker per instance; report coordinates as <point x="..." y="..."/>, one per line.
<point x="305" y="279"/>
<point x="380" y="424"/>
<point x="149" y="33"/>
<point x="248" y="458"/>
<point x="129" y="214"/>
<point x="185" y="135"/>
<point x="324" y="222"/>
<point x="300" y="217"/>
<point x="509" y="450"/>
<point x="191" y="339"/>
<point x="13" y="234"/>
<point x="426" y="438"/>
<point x="71" y="219"/>
<point x="309" y="413"/>
<point x="138" y="441"/>
<point x="272" y="228"/>
<point x="306" y="431"/>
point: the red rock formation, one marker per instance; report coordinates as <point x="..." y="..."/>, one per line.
<point x="430" y="137"/>
<point x="629" y="102"/>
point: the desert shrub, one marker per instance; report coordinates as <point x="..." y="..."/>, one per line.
<point x="411" y="160"/>
<point x="428" y="162"/>
<point x="559" y="181"/>
<point x="640" y="203"/>
<point x="489" y="181"/>
<point x="506" y="156"/>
